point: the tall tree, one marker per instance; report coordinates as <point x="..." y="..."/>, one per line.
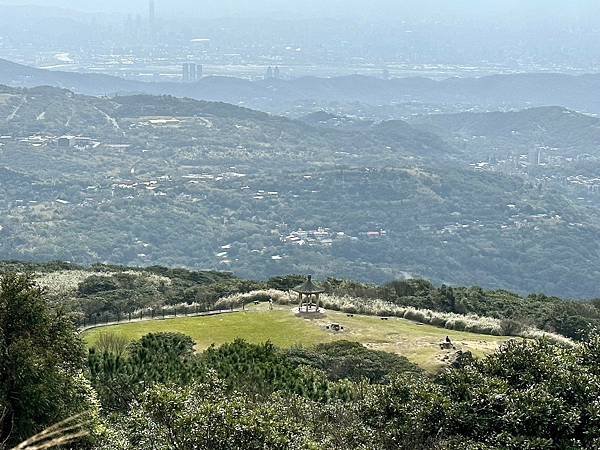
<point x="41" y="362"/>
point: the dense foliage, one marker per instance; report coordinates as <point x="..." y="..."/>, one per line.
<point x="350" y="360"/>
<point x="121" y="374"/>
<point x="103" y="293"/>
<point x="214" y="186"/>
<point x="42" y="362"/>
<point x="158" y="393"/>
<point x="528" y="395"/>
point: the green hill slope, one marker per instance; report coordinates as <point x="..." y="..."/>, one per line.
<point x="158" y="180"/>
<point x="559" y="130"/>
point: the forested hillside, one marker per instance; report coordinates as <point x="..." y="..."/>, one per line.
<point x="260" y="195"/>
<point x="563" y="132"/>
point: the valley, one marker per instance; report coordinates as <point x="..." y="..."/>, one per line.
<point x="261" y="195"/>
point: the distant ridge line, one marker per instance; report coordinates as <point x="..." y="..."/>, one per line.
<point x="579" y="92"/>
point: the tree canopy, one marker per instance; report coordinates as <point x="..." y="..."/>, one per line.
<point x="42" y="362"/>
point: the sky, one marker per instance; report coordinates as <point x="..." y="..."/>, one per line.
<point x="584" y="9"/>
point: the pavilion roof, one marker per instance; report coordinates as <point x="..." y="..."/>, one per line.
<point x="308" y="287"/>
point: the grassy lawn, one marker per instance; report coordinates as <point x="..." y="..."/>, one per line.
<point x="283" y="327"/>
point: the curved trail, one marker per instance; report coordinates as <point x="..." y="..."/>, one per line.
<point x="17" y="109"/>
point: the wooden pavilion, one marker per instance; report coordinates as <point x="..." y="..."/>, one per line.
<point x="307" y="293"/>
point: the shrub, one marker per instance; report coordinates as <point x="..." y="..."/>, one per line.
<point x="349" y="308"/>
<point x="456" y="324"/>
<point x="237" y="300"/>
<point x="534" y="333"/>
<point x="416" y="315"/>
<point x="438" y="321"/>
<point x="112" y="343"/>
<point x="511" y="327"/>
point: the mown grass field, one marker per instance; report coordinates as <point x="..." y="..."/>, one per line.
<point x="419" y="343"/>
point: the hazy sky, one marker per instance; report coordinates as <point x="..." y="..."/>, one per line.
<point x="584" y="9"/>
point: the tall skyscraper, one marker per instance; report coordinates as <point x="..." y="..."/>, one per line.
<point x="191" y="72"/>
<point x="535" y="157"/>
<point x="151" y="13"/>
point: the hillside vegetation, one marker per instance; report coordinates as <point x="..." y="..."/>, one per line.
<point x="261" y="196"/>
<point x="165" y="390"/>
<point x="562" y="131"/>
<point x="100" y="294"/>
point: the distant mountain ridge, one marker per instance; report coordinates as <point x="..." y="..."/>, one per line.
<point x="45" y="109"/>
<point x="548" y="121"/>
<point x="566" y="131"/>
<point x="495" y="92"/>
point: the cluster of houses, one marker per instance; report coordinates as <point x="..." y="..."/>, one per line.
<point x="49" y="140"/>
<point x="515" y="221"/>
<point x="325" y="237"/>
<point x="321" y="236"/>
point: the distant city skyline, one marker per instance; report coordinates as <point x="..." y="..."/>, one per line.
<point x="151" y="11"/>
<point x="529" y="9"/>
<point x="152" y="39"/>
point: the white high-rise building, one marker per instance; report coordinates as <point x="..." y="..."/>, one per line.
<point x="191" y="72"/>
<point x="535" y="157"/>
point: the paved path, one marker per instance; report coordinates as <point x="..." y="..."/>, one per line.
<point x="159" y="317"/>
